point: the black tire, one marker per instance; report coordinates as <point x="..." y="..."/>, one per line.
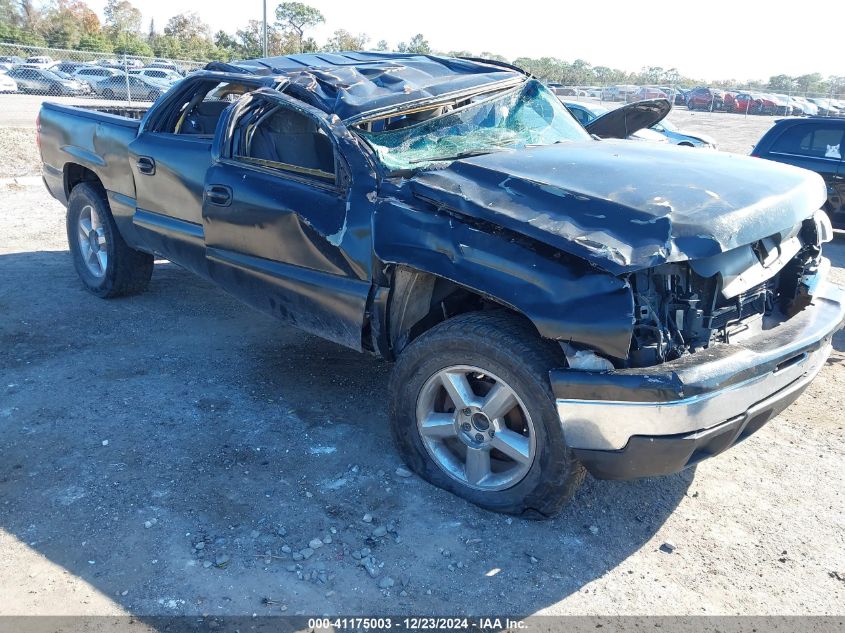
<point x="153" y="95"/>
<point x="108" y="93"/>
<point x="127" y="271"/>
<point x="510" y="348"/>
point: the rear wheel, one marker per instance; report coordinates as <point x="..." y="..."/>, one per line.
<point x="105" y="263"/>
<point x="108" y="93"/>
<point x="472" y="412"/>
<point x="153" y="95"/>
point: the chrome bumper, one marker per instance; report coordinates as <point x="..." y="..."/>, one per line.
<point x="603" y="411"/>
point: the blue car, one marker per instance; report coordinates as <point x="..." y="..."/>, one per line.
<point x="586" y="114"/>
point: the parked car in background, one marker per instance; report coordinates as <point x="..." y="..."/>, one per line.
<point x="131" y="87"/>
<point x="681" y="96"/>
<point x="41" y="81"/>
<point x="617" y="93"/>
<point x="705" y="99"/>
<point x="38" y="61"/>
<point x="93" y="74"/>
<point x="7" y="84"/>
<point x="162" y="75"/>
<point x="69" y="68"/>
<point x="603" y="122"/>
<point x="167" y="66"/>
<point x="827" y="107"/>
<point x="817" y="144"/>
<point x="14" y="60"/>
<point x="645" y="93"/>
<point x="684" y="139"/>
<point x="805" y="106"/>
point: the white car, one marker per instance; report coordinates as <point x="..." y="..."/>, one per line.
<point x="158" y="74"/>
<point x="39" y="61"/>
<point x="7" y="84"/>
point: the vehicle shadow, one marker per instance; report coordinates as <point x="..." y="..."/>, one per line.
<point x="133" y="430"/>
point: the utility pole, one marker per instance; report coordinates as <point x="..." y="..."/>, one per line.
<point x="264" y="30"/>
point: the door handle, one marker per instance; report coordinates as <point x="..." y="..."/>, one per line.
<point x="221" y="195"/>
<point x="146" y="165"/>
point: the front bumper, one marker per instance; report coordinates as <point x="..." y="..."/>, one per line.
<point x="640" y="422"/>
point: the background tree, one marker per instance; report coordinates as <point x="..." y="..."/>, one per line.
<point x="122" y="17"/>
<point x="296" y="17"/>
<point x="382" y="45"/>
<point x="343" y="40"/>
<point x="417" y="45"/>
<point x="493" y="56"/>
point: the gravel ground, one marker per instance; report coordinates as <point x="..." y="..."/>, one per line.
<point x="177" y="453"/>
<point x="18" y="153"/>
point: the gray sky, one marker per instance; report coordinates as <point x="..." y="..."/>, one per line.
<point x="712" y="39"/>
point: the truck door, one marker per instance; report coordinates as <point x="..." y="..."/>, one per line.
<point x="281" y="228"/>
<point x="169" y="160"/>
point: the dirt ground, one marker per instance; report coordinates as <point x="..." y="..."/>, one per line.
<point x="175" y="453"/>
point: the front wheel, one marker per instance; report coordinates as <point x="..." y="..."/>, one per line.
<point x="472" y="412"/>
<point x="105" y="263"/>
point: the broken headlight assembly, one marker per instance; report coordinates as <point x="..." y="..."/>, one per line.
<point x="685" y="307"/>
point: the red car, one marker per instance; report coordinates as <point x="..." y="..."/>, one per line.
<point x="705" y="99"/>
<point x="646" y="93"/>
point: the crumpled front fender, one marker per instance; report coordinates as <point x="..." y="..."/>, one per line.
<point x="565" y="298"/>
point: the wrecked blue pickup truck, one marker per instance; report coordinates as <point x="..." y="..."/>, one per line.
<point x="553" y="302"/>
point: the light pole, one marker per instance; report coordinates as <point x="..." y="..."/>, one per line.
<point x="264" y="29"/>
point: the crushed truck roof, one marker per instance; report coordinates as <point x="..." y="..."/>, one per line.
<point x="358" y="84"/>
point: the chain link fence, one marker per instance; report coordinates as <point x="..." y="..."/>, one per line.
<point x="738" y="100"/>
<point x="60" y="72"/>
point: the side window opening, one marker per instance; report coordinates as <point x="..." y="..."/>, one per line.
<point x="807" y="140"/>
<point x="200" y="109"/>
<point x="280" y="138"/>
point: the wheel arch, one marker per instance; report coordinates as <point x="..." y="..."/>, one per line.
<point x="75" y="174"/>
<point x="419" y="300"/>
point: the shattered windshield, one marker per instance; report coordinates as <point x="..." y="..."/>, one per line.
<point x="528" y="115"/>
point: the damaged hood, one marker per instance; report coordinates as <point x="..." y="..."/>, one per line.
<point x="626" y="206"/>
<point x="627" y="119"/>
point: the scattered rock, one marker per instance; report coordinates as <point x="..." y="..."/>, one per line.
<point x="327" y="540"/>
<point x="286" y="549"/>
<point x="207" y="564"/>
<point x="386" y="582"/>
<point x="594" y="529"/>
<point x="667" y="547"/>
<point x="297" y="556"/>
<point x="105" y="442"/>
<point x="370" y="565"/>
<point x="380" y="531"/>
<point x="254" y="534"/>
<point x="534" y="560"/>
<point x="368" y="518"/>
<point x="222" y="560"/>
<point x="200" y="545"/>
<point x="315" y="543"/>
<point x="402" y="471"/>
<point x="307" y="553"/>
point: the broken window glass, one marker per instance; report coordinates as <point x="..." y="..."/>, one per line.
<point x="528" y="115"/>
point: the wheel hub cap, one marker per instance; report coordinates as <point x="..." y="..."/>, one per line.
<point x="475" y="428"/>
<point x="91" y="236"/>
